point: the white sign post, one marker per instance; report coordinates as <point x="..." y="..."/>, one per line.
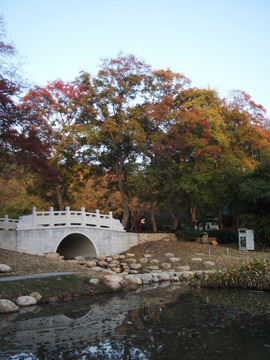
<point x="246" y="239"/>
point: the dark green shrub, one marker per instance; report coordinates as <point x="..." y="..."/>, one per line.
<point x="224" y="236"/>
<point x="187" y="235"/>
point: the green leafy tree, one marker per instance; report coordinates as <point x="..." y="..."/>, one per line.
<point x="199" y="139"/>
<point x="116" y="91"/>
<point x="253" y="198"/>
<point x="17" y="192"/>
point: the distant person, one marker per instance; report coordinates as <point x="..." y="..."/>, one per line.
<point x="143" y="225"/>
<point x="139" y="222"/>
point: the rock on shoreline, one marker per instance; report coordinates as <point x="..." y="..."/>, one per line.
<point x="7" y="306"/>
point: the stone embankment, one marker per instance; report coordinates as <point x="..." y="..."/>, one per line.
<point x="117" y="270"/>
<point x="127" y="264"/>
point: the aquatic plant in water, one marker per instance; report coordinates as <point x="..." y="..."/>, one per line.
<point x="253" y="275"/>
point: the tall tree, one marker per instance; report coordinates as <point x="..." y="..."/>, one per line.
<point x="163" y="88"/>
<point x="249" y="144"/>
<point x="117" y="89"/>
<point x="10" y="88"/>
<point x="245" y="120"/>
<point x="50" y="142"/>
<point x="196" y="140"/>
<point x="253" y="199"/>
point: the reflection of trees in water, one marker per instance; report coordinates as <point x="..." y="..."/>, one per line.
<point x="198" y="324"/>
<point x="138" y="317"/>
<point x="192" y="327"/>
<point x="77" y="314"/>
<point x="253" y="302"/>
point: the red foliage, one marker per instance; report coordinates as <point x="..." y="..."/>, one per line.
<point x="242" y="102"/>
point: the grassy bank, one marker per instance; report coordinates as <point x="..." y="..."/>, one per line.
<point x="51" y="288"/>
<point x="56" y="288"/>
<point x="25" y="264"/>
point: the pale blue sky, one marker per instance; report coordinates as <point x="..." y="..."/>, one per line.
<point x="221" y="44"/>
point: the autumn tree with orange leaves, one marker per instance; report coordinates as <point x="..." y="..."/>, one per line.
<point x="162" y="89"/>
<point x="51" y="141"/>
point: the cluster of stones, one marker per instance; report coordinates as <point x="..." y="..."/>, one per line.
<point x="7" y="306"/>
<point x="116" y="282"/>
<point x="127" y="264"/>
<point x="123" y="269"/>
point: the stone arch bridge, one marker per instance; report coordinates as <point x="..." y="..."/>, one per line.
<point x="70" y="233"/>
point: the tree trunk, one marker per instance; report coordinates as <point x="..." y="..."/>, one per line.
<point x="59" y="195"/>
<point x="236" y="222"/>
<point x="220" y="222"/>
<point x="192" y="211"/>
<point x="121" y="184"/>
<point x="152" y="215"/>
<point x="174" y="218"/>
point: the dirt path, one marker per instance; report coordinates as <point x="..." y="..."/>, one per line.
<point x="34" y="276"/>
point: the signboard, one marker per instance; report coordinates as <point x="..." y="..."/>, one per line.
<point x="246" y="239"/>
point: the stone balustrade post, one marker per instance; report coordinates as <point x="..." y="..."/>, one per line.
<point x="51" y="217"/>
<point x="98" y="218"/>
<point x="67" y="216"/>
<point x="34" y="214"/>
<point x="6" y="223"/>
<point x="111" y="219"/>
<point x="83" y="216"/>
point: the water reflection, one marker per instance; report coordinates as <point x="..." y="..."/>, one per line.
<point x="163" y="323"/>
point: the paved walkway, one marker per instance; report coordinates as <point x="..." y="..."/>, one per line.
<point x="34" y="276"/>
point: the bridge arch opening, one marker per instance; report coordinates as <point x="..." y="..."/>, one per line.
<point x="76" y="245"/>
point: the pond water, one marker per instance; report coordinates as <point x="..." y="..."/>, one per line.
<point x="166" y="322"/>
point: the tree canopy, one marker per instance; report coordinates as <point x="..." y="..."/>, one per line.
<point x="137" y="141"/>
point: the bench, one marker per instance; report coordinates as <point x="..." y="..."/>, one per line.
<point x="207" y="240"/>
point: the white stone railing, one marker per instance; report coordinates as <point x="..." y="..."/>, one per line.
<point x="8" y="224"/>
<point x="67" y="218"/>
